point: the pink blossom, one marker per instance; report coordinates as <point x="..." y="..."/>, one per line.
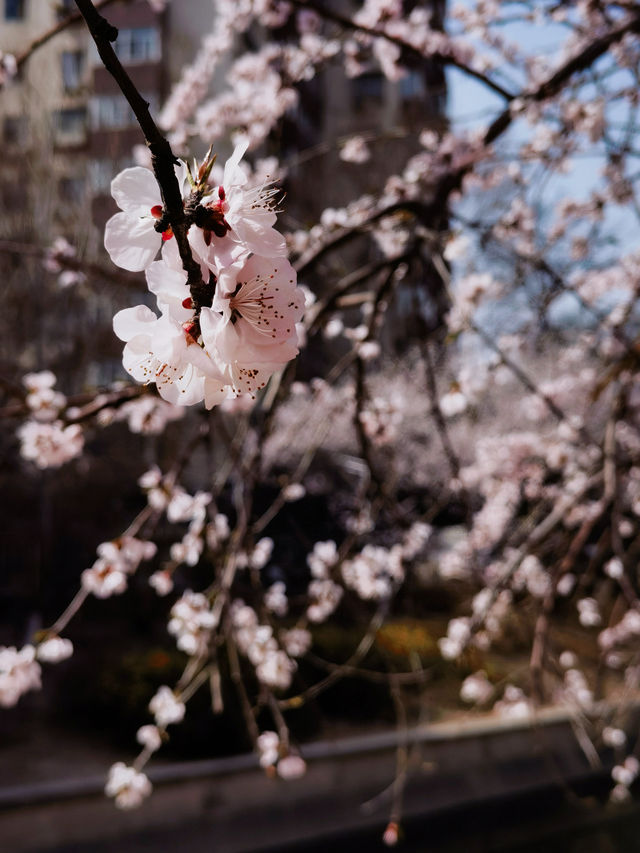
<point x="250" y="329"/>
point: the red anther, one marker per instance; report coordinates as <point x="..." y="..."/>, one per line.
<point x="221" y="193"/>
<point x="187" y="302"/>
<point x="156" y="211"/>
<point x="191" y="331"/>
<point x="168" y="234"/>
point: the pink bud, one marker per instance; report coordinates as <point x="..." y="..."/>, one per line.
<point x="390" y="835"/>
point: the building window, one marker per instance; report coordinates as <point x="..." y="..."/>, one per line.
<point x="72" y="66"/>
<point x="71" y="126"/>
<point x="14" y="10"/>
<point x="139" y="44"/>
<point x="112" y="112"/>
<point x="15" y="130"/>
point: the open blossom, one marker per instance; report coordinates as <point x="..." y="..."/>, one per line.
<point x="247" y="334"/>
<point x="476" y="689"/>
<point x="275" y="599"/>
<point x="374" y="572"/>
<point x="322" y="558"/>
<point x="19" y="673"/>
<point x="268" y="744"/>
<point x="276" y="669"/>
<point x="148" y="415"/>
<point x="242" y="218"/>
<point x="161" y="582"/>
<point x="185" y="507"/>
<point x="324" y="596"/>
<point x="44" y="402"/>
<point x="355" y="150"/>
<point x="130" y="237"/>
<point x="160" y="350"/>
<point x="8" y="67"/>
<point x="296" y="641"/>
<point x="250" y="330"/>
<point x="166" y="707"/>
<point x="50" y="445"/>
<point x="192" y="622"/>
<point x="116" y="560"/>
<point x="127" y="786"/>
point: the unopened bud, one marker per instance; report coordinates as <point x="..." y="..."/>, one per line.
<point x="156" y="211"/>
<point x="391" y="834"/>
<point x="187" y="303"/>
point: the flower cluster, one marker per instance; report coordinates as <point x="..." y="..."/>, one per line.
<point x="116" y="560"/>
<point x="19" y="673"/>
<point x="166" y="707"/>
<point x="44" y="438"/>
<point x="229" y="341"/>
<point x="375" y="572"/>
<point x="273" y="666"/>
<point x="127" y="786"/>
<point x="273" y="753"/>
<point x="192" y="622"/>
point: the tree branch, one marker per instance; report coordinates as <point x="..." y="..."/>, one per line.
<point x="582" y="60"/>
<point x="162" y="157"/>
<point x="407" y="47"/>
<point x="69" y="20"/>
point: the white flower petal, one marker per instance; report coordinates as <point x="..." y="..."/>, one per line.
<point x="136" y="190"/>
<point x="133" y="321"/>
<point x="132" y="243"/>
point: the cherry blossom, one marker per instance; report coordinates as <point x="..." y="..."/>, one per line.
<point x="50" y="445"/>
<point x="130" y="237"/>
<point x="128" y="786"/>
<point x="242" y="218"/>
<point x="166" y="707"/>
<point x="19" y="673"/>
<point x="160" y="350"/>
<point x="250" y="330"/>
<point x="149" y="736"/>
<point x="192" y="622"/>
<point x="116" y="560"/>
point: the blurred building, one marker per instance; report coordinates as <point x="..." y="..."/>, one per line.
<point x="63" y="119"/>
<point x="66" y="104"/>
<point x="387" y="114"/>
